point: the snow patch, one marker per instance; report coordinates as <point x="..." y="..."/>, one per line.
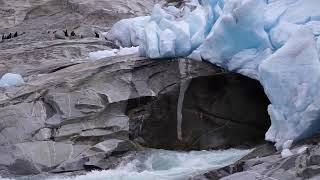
<point x="113" y="52"/>
<point x="286" y="153"/>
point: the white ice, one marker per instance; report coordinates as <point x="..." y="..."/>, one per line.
<point x="113" y="52"/>
<point x="291" y="78"/>
<point x="275" y="41"/>
<point x="127" y="31"/>
<point x="286" y="153"/>
<point x="287" y="144"/>
<point x="11" y="79"/>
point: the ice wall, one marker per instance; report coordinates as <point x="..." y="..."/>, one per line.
<point x="273" y="41"/>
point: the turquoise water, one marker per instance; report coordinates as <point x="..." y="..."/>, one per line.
<point x="166" y="165"/>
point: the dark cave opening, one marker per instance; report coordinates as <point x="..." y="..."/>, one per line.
<point x="219" y="111"/>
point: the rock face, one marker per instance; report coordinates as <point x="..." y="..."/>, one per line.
<point x="213" y="114"/>
<point x="55" y="126"/>
<point x="266" y="163"/>
<point x="73" y="114"/>
<point x="75" y="118"/>
<point x="13" y="12"/>
<point x="38" y="23"/>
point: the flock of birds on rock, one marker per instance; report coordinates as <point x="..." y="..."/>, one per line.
<point x="10" y="35"/>
<point x="63" y="35"/>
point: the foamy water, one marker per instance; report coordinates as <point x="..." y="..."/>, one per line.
<point x="165" y="165"/>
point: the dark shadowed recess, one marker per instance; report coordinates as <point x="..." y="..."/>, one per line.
<point x="219" y="111"/>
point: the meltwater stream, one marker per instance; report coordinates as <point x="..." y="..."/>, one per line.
<point x="166" y="165"/>
<point x="160" y="165"/>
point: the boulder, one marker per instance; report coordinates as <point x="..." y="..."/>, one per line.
<point x="266" y="163"/>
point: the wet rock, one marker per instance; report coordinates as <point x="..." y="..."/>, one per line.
<point x="35" y="157"/>
<point x="59" y="35"/>
<point x="302" y="165"/>
<point x="103" y="155"/>
<point x="213" y="114"/>
<point x="83" y="109"/>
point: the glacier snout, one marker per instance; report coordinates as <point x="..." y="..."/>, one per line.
<point x="276" y="42"/>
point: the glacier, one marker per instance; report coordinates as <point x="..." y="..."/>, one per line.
<point x="273" y="41"/>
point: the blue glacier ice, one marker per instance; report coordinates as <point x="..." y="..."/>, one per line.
<point x="126" y="33"/>
<point x="273" y="41"/>
<point x="291" y="79"/>
<point x="11" y="79"/>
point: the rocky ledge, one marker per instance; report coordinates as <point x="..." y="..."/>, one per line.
<point x="79" y="117"/>
<point x="266" y="163"/>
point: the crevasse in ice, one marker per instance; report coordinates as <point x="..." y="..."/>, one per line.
<point x="274" y="41"/>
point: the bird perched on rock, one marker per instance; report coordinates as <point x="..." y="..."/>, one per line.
<point x="9" y="36"/>
<point x="73" y="35"/>
<point x="15" y="34"/>
<point x="66" y="33"/>
<point x="97" y="34"/>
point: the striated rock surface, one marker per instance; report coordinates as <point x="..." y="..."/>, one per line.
<point x="78" y="117"/>
<point x="41" y="45"/>
<point x="51" y="124"/>
<point x="266" y="163"/>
